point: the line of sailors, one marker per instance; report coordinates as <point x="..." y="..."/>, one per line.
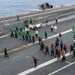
<point x="24" y="34"/>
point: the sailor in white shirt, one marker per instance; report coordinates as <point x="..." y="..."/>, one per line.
<point x="36" y="34"/>
<point x="55" y="28"/>
<point x="74" y="42"/>
<point x="28" y="30"/>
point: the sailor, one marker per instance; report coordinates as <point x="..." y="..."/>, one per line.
<point x="55" y="28"/>
<point x="46" y="34"/>
<point x="56" y="20"/>
<point x="17" y="17"/>
<point x="5" y="53"/>
<point x="33" y="39"/>
<point x="36" y="34"/>
<point x="11" y="33"/>
<point x="35" y="61"/>
<point x="51" y="28"/>
<point x="46" y="50"/>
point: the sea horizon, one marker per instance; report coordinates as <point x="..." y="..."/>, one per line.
<point x="10" y="8"/>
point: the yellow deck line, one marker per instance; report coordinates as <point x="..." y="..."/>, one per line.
<point x="15" y="49"/>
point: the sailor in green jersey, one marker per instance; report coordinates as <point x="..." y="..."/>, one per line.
<point x="0" y="31"/>
<point x="24" y="24"/>
<point x="73" y="52"/>
<point x="52" y="51"/>
<point x="39" y="38"/>
<point x="73" y="28"/>
<point x="17" y="28"/>
<point x="74" y="36"/>
<point x="24" y="27"/>
<point x="20" y="35"/>
<point x="46" y="34"/>
<point x="20" y="28"/>
<point x="31" y="21"/>
<point x="23" y="36"/>
<point x="26" y="36"/>
<point x="30" y="38"/>
<point x="46" y="22"/>
<point x="11" y="33"/>
<point x="16" y="34"/>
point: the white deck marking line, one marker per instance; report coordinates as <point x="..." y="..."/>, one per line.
<point x="51" y="37"/>
<point x="68" y="62"/>
<point x="61" y="68"/>
<point x="27" y="56"/>
<point x="41" y="66"/>
<point x="58" y="34"/>
<point x="4" y="36"/>
<point x="67" y="31"/>
<point x="7" y="24"/>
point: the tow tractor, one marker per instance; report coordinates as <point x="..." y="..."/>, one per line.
<point x="35" y="26"/>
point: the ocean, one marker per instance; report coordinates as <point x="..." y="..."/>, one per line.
<point x="12" y="7"/>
